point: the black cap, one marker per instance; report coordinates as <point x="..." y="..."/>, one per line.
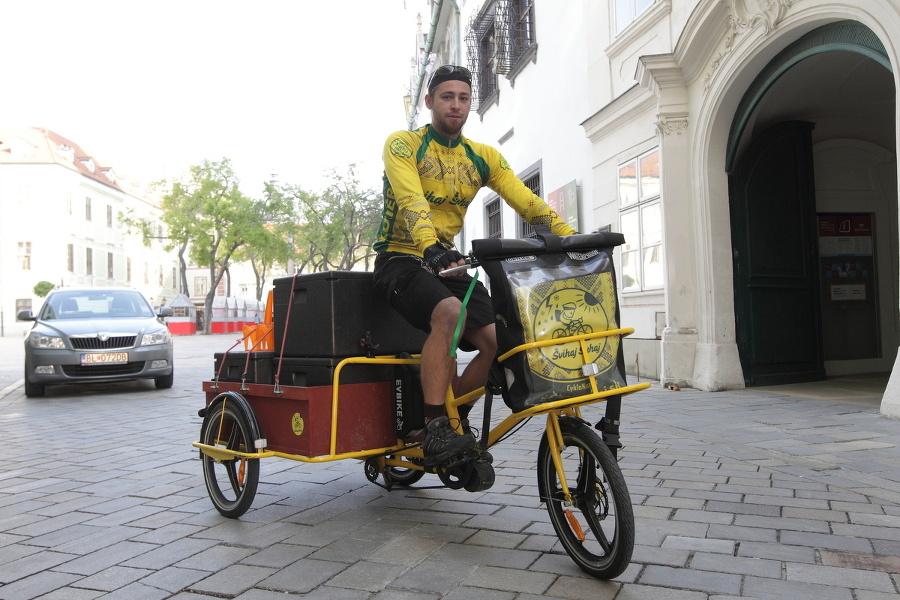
<point x="449" y="73"/>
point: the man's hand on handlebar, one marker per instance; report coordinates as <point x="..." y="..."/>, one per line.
<point x="438" y="258"/>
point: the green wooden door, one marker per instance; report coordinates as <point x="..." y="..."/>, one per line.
<point x="774" y="252"/>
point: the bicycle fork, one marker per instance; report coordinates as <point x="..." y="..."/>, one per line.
<point x="555" y="440"/>
<point x="555" y="443"/>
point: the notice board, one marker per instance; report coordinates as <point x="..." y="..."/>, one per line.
<point x="848" y="289"/>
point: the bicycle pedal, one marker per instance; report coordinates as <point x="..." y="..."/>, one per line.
<point x="455" y="460"/>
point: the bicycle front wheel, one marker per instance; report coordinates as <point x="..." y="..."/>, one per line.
<point x="597" y="527"/>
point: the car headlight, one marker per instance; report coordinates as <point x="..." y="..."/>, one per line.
<point x="157" y="337"/>
<point x="40" y="340"/>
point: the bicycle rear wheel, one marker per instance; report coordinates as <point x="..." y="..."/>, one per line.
<point x="597" y="530"/>
<point x="231" y="482"/>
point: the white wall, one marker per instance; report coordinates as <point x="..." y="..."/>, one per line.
<point x="45" y="204"/>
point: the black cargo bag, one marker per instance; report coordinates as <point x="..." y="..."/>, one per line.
<point x="550" y="287"/>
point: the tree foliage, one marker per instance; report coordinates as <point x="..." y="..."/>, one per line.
<point x="338" y="226"/>
<point x="212" y="224"/>
<point x="206" y="213"/>
<point x="42" y="288"/>
<point x="270" y="246"/>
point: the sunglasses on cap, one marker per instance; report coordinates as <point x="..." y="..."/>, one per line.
<point x="449" y="73"/>
<point x="450" y="69"/>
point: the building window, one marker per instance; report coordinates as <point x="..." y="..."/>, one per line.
<point x="484" y="44"/>
<point x="200" y="287"/>
<point x="493" y="219"/>
<point x="128" y="270"/>
<point x="486" y="74"/>
<point x="88" y="261"/>
<point x="498" y="38"/>
<point x="24" y="256"/>
<point x="640" y="217"/>
<point x="70" y="258"/>
<point x="109" y="216"/>
<point x="110" y="265"/>
<point x="23" y="304"/>
<point x="521" y="21"/>
<point x="87" y="209"/>
<point x="533" y="183"/>
<point x="627" y="11"/>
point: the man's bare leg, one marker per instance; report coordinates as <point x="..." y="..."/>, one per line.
<point x="476" y="372"/>
<point x="438" y="367"/>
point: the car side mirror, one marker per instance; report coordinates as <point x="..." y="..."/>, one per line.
<point x="165" y="311"/>
<point x="25" y="315"/>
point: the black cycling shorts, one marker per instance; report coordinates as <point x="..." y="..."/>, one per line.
<point x="414" y="291"/>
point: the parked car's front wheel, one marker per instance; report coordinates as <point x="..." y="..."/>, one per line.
<point x="32" y="389"/>
<point x="165" y="382"/>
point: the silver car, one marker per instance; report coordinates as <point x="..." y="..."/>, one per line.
<point x="96" y="335"/>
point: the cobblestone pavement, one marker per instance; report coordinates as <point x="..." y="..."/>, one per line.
<point x="762" y="493"/>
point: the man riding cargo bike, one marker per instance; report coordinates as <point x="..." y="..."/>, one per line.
<point x="547" y="341"/>
<point x="431" y="175"/>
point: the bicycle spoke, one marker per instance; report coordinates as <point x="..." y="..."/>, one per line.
<point x="232" y="475"/>
<point x="589" y="493"/>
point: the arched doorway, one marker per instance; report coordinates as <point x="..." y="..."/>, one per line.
<point x="811" y="150"/>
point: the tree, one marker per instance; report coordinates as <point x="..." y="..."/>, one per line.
<point x="42" y="288"/>
<point x="271" y="244"/>
<point x="339" y="226"/>
<point x="207" y="214"/>
<point x="174" y="237"/>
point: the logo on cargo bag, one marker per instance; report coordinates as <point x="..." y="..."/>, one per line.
<point x="569" y="307"/>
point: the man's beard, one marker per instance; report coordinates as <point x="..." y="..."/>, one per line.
<point x="450" y="128"/>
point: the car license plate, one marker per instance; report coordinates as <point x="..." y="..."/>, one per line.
<point x="104" y="358"/>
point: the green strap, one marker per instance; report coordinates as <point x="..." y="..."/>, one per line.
<point x="462" y="316"/>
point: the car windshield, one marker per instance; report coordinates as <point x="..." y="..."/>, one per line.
<point x="95" y="305"/>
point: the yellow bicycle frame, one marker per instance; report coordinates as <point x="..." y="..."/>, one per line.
<point x="400" y="454"/>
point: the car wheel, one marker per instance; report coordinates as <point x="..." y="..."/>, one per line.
<point x="165" y="382"/>
<point x="33" y="389"/>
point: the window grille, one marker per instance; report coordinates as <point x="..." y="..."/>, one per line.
<point x="480" y="49"/>
<point x="497" y="37"/>
<point x="521" y="21"/>
<point x="493" y="218"/>
<point x="533" y="183"/>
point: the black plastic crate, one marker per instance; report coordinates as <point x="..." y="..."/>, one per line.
<point x="259" y="368"/>
<point x="330" y="312"/>
<point x="312" y="372"/>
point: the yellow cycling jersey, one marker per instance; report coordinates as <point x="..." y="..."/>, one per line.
<point x="429" y="182"/>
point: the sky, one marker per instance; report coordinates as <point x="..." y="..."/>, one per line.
<point x="293" y="88"/>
